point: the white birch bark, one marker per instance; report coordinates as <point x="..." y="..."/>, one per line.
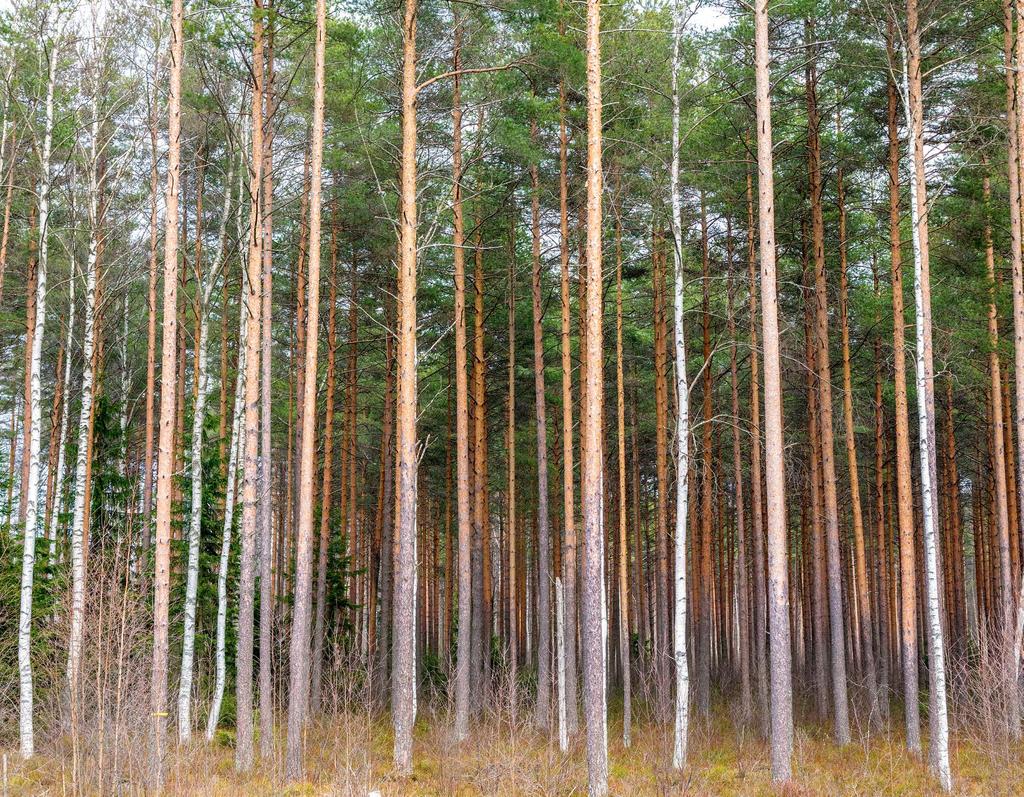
<point x="125" y="388"/>
<point x="5" y="129"/>
<point x="234" y="450"/>
<point x="220" y="677"/>
<point x="682" y="424"/>
<point x="81" y="460"/>
<point x="563" y="730"/>
<point x="195" y="520"/>
<point x="28" y="561"/>
<point x="938" y="719"/>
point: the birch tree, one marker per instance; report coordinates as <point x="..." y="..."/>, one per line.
<point x="925" y="375"/>
<point x="679" y="619"/>
<point x="230" y="488"/>
<point x="51" y="49"/>
<point x="95" y="178"/>
<point x="205" y="285"/>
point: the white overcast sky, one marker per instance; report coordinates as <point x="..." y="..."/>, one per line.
<point x="709" y="16"/>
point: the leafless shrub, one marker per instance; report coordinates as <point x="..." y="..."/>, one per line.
<point x="979" y="686"/>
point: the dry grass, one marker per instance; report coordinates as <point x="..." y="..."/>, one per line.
<point x="350" y="755"/>
<point x="349" y="750"/>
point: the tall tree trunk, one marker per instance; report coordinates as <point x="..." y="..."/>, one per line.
<point x="937" y="718"/>
<point x="742" y="555"/>
<point x="481" y="542"/>
<point x="781" y="736"/>
<point x="511" y="434"/>
<point x="661" y="624"/>
<point x="252" y="307"/>
<point x="204" y="290"/>
<point x="840" y="705"/>
<point x="679" y="646"/>
<point x="264" y="517"/>
<point x="568" y="570"/>
<point x="620" y="416"/>
<point x="999" y="475"/>
<point x="463" y="510"/>
<point x="403" y="686"/>
<point x="385" y="514"/>
<point x="85" y="417"/>
<point x="819" y="601"/>
<point x="230" y="493"/>
<point x="705" y="568"/>
<point x="860" y="555"/>
<point x="351" y="397"/>
<point x="299" y="340"/>
<point x="168" y="372"/>
<point x="881" y="526"/>
<point x="319" y="619"/>
<point x="298" y="655"/>
<point x="594" y="618"/>
<point x="904" y="496"/>
<point x="760" y="620"/>
<point x="154" y="179"/>
<point x="31" y="290"/>
<point x="1017" y="270"/>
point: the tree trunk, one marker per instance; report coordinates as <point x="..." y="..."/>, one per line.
<point x="204" y="290"/>
<point x="759" y="621"/>
<point x="230" y="493"/>
<point x="319" y="626"/>
<point x="660" y="565"/>
<point x="999" y="475"/>
<point x="904" y="496"/>
<point x="298" y="656"/>
<point x="620" y="416"/>
<point x="403" y="686"/>
<point x="742" y="556"/>
<point x="85" y="417"/>
<point x="881" y="528"/>
<point x="568" y="570"/>
<point x="168" y="373"/>
<point x="938" y="722"/>
<point x="1017" y="270"/>
<point x="147" y="477"/>
<point x="679" y="642"/>
<point x="594" y="616"/>
<point x="31" y="290"/>
<point x="481" y="542"/>
<point x="264" y="518"/>
<point x="385" y="514"/>
<point x="840" y="705"/>
<point x="704" y="568"/>
<point x="252" y="307"/>
<point x="860" y="555"/>
<point x="463" y="510"/>
<point x="510" y="528"/>
<point x="781" y="736"/>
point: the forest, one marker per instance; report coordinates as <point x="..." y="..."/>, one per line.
<point x="498" y="397"/>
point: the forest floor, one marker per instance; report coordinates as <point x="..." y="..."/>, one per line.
<point x="351" y="756"/>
